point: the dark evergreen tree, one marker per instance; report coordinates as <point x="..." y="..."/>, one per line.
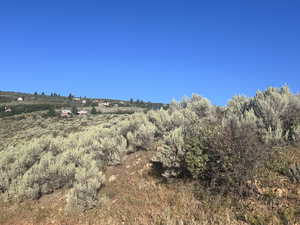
<point x="93" y="111"/>
<point x="51" y="112"/>
<point x="74" y="110"/>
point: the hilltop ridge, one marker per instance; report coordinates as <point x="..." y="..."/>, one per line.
<point x="20" y="102"/>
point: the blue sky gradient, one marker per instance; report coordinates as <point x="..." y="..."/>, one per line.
<point x="151" y="50"/>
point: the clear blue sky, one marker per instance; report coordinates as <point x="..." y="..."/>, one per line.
<point x="154" y="50"/>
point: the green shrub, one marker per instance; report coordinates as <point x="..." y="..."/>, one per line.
<point x="238" y="105"/>
<point x="272" y="106"/>
<point x="74" y="110"/>
<point x="222" y="150"/>
<point x="84" y="194"/>
<point x="47" y="164"/>
<point x="201" y="106"/>
<point x="112" y="147"/>
<point x="170" y="155"/>
<point x="235" y="155"/>
<point x="166" y="121"/>
<point x="291" y="119"/>
<point x="93" y="110"/>
<point x="196" y="157"/>
<point x="51" y="111"/>
<point x="138" y="131"/>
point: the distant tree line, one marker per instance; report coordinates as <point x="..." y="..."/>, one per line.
<point x="147" y="105"/>
<point x="52" y="94"/>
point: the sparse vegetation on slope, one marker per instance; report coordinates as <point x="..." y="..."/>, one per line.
<point x="237" y="152"/>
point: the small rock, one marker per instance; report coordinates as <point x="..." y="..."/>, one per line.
<point x="279" y="192"/>
<point x="112" y="178"/>
<point x="298" y="191"/>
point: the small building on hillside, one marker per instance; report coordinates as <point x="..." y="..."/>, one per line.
<point x="107" y="104"/>
<point x="20" y="99"/>
<point x="7" y="109"/>
<point x="82" y="112"/>
<point x="76" y="99"/>
<point x="83" y="101"/>
<point x="65" y="113"/>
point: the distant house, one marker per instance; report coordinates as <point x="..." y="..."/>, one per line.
<point x="7" y="109"/>
<point x="104" y="104"/>
<point x="83" y="101"/>
<point x="65" y="113"/>
<point x="82" y="112"/>
<point x="76" y="99"/>
<point x="20" y="99"/>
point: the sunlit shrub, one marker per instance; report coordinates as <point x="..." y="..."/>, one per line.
<point x="138" y="131"/>
<point x="200" y="105"/>
<point x="278" y="112"/>
<point x="171" y="155"/>
<point x="238" y="105"/>
<point x="48" y="164"/>
<point x="84" y="194"/>
<point x="270" y="106"/>
<point x="222" y="149"/>
<point x="291" y="119"/>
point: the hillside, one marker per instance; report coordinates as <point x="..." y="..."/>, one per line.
<point x="193" y="163"/>
<point x="19" y="103"/>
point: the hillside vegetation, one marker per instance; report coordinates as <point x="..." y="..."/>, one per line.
<point x="20" y="103"/>
<point x="193" y="163"/>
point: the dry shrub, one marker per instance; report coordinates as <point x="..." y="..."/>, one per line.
<point x="235" y="154"/>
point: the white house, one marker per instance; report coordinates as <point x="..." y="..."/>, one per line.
<point x="83" y="101"/>
<point x="20" y="99"/>
<point x="7" y="109"/>
<point x="82" y="112"/>
<point x="104" y="103"/>
<point x="65" y="113"/>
